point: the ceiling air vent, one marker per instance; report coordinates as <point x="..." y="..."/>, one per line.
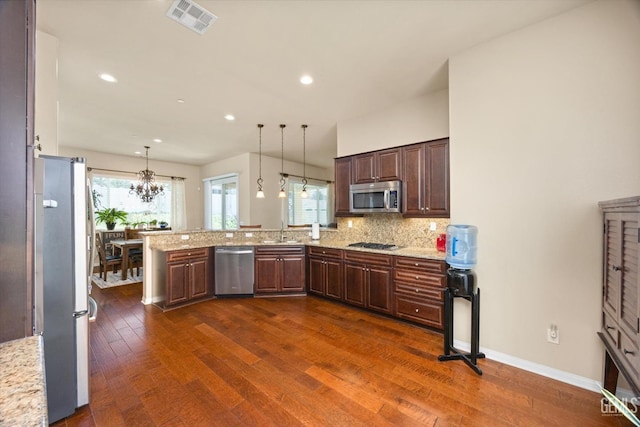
<point x="191" y="15"/>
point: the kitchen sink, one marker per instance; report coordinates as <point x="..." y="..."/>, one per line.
<point x="278" y="242"/>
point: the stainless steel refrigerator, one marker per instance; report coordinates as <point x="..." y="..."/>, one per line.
<point x="63" y="267"/>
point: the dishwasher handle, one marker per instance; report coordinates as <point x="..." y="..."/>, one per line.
<point x="233" y="251"/>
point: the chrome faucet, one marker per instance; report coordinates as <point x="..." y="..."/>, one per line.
<point x="282" y="236"/>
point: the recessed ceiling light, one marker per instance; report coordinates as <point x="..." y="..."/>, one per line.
<point x="229" y="117"/>
<point x="137" y="152"/>
<point x="157" y="140"/>
<point x="306" y="79"/>
<point x="180" y="101"/>
<point x="108" y="78"/>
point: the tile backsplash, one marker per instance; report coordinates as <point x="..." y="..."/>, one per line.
<point x="392" y="228"/>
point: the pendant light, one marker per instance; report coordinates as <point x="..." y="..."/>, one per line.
<point x="304" y="194"/>
<point x="260" y="193"/>
<point x="282" y="193"/>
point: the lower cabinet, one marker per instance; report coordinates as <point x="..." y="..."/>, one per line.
<point x="325" y="272"/>
<point x="419" y="290"/>
<point x="368" y="280"/>
<point x="182" y="276"/>
<point x="279" y="269"/>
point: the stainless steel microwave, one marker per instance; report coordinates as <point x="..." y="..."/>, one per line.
<point x="375" y="197"/>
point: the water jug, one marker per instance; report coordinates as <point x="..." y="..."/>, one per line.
<point x="461" y="246"/>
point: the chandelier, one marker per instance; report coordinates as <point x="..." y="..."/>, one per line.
<point x="147" y="187"/>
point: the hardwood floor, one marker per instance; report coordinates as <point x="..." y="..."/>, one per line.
<point x="300" y="361"/>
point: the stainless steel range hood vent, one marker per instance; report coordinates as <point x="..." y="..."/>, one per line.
<point x="191" y="15"/>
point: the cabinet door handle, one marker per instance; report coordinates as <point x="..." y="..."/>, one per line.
<point x="417" y="310"/>
<point x="417" y="277"/>
<point x="616" y="268"/>
<point x="417" y="290"/>
<point x="629" y="352"/>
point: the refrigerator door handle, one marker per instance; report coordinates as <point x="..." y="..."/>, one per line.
<point x="93" y="309"/>
<point x="81" y="313"/>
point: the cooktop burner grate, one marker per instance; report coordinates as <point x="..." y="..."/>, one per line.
<point x="373" y="245"/>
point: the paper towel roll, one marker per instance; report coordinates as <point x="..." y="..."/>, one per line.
<point x="315" y="231"/>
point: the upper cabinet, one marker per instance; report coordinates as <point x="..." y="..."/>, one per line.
<point x="343" y="180"/>
<point x="425" y="183"/>
<point x="384" y="165"/>
<point x="423" y="169"/>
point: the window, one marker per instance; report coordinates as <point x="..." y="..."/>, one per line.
<point x="221" y="202"/>
<point x="113" y="192"/>
<point x="315" y="208"/>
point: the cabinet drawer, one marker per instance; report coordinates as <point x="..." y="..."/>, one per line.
<point x="368" y="258"/>
<point x="629" y="352"/>
<point x="325" y="252"/>
<point x="280" y="250"/>
<point x="610" y="329"/>
<point x="419" y="292"/>
<point x="430" y="314"/>
<point x="426" y="265"/>
<point x="187" y="253"/>
<point x="420" y="278"/>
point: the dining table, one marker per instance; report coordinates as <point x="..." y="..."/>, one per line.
<point x="125" y="246"/>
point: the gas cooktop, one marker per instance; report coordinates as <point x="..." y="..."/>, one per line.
<point x="368" y="245"/>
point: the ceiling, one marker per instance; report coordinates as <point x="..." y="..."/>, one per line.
<point x="364" y="56"/>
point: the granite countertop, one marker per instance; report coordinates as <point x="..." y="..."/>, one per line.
<point x="23" y="398"/>
<point x="418" y="252"/>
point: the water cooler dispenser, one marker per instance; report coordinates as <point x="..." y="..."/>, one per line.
<point x="461" y="249"/>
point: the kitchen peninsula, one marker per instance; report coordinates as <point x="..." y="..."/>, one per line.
<point x="404" y="281"/>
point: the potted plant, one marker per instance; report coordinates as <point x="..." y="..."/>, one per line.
<point x="109" y="216"/>
<point x="163" y="224"/>
<point x="153" y="223"/>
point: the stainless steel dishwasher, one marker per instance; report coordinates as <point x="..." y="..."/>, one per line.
<point x="234" y="270"/>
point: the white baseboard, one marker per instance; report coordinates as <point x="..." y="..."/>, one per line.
<point x="536" y="368"/>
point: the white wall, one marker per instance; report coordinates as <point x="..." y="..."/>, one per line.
<point x="416" y="120"/>
<point x="46" y="93"/>
<point x="544" y="124"/>
<point x="193" y="181"/>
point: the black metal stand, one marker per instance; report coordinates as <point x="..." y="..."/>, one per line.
<point x="471" y="359"/>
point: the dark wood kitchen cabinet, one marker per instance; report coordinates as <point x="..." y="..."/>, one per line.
<point x="383" y="165"/>
<point x="279" y="269"/>
<point x="325" y="272"/>
<point x="182" y="276"/>
<point x="621" y="298"/>
<point x="419" y="290"/>
<point x="17" y="101"/>
<point x="425" y="182"/>
<point x="367" y="280"/>
<point x="342" y="172"/>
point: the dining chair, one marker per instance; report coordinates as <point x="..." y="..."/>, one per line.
<point x="131" y="233"/>
<point x="107" y="261"/>
<point x="135" y="261"/>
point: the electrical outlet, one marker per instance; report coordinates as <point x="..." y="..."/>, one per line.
<point x="553" y="334"/>
<point x="349" y="224"/>
<point x="432" y="226"/>
<point x="248" y="234"/>
<point x="185" y="237"/>
<point x="229" y="235"/>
